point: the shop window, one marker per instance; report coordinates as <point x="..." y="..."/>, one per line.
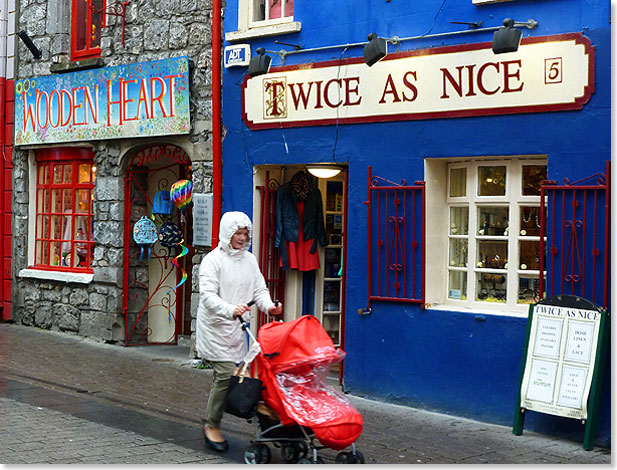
<point x="64" y="215"/>
<point x="259" y="18"/>
<point x="491" y="230"/>
<point x="87" y="20"/>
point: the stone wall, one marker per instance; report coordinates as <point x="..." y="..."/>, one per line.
<point x="154" y="29"/>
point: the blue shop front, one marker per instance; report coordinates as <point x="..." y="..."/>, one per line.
<point x="460" y="183"/>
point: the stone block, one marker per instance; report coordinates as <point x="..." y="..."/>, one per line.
<point x="108" y="189"/>
<point x="67" y="317"/>
<point x="43" y="316"/>
<point x="78" y="297"/>
<point x="98" y="302"/>
<point x="108" y="275"/>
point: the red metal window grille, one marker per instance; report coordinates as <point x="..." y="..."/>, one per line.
<point x="396" y="240"/>
<point x="576" y="221"/>
<point x="64" y="212"/>
<point x="87" y="20"/>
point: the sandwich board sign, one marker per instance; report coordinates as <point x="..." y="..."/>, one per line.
<point x="563" y="362"/>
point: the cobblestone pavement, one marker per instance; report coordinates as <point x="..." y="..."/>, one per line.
<point x="66" y="399"/>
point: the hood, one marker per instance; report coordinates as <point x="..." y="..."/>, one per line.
<point x="230" y="223"/>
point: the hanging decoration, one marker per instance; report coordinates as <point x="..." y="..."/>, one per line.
<point x="170" y="235"/>
<point x="145" y="235"/>
<point x="174" y="261"/>
<point x="181" y="194"/>
<point x="162" y="203"/>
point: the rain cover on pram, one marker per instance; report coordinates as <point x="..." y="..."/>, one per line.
<point x="293" y="364"/>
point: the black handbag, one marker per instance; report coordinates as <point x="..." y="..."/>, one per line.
<point x="243" y="395"/>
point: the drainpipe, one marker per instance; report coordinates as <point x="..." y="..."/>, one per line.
<point x="4" y="31"/>
<point x="216" y="121"/>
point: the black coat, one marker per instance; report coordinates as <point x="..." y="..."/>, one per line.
<point x="288" y="220"/>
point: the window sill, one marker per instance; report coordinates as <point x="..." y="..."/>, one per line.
<point x="79" y="278"/>
<point x="264" y="31"/>
<point x="478" y="311"/>
<point x="79" y="64"/>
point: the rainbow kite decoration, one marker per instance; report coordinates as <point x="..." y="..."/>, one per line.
<point x="181" y="193"/>
<point x="174" y="261"/>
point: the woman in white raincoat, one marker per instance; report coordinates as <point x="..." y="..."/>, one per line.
<point x="229" y="278"/>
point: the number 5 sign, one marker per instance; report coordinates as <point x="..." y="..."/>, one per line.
<point x="552" y="70"/>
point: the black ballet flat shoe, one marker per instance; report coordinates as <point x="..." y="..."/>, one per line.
<point x="214" y="445"/>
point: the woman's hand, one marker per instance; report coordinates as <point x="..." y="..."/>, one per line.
<point x="276" y="309"/>
<point x="240" y="310"/>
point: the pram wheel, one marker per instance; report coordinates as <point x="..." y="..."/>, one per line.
<point x="256" y="454"/>
<point x="350" y="457"/>
<point x="292" y="451"/>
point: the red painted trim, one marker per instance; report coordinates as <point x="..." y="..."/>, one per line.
<point x="64" y="153"/>
<point x="216" y="122"/>
<point x="576" y="104"/>
<point x="343" y="317"/>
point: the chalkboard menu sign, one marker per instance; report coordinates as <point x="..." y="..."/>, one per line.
<point x="563" y="360"/>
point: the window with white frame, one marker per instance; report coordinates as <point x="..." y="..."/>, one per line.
<point x="491" y="233"/>
<point x="258" y="18"/>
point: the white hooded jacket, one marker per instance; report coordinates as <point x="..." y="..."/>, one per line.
<point x="228" y="277"/>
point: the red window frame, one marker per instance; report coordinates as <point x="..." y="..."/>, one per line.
<point x="87" y="20"/>
<point x="64" y="209"/>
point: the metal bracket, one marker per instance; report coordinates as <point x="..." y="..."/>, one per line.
<point x="116" y="9"/>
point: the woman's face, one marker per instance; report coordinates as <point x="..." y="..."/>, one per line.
<point x="239" y="238"/>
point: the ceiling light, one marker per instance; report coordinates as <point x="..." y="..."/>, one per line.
<point x="324" y="171"/>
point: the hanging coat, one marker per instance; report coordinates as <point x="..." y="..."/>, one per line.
<point x="228" y="277"/>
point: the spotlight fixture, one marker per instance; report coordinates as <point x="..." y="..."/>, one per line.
<point x="507" y="38"/>
<point x="375" y="50"/>
<point x="259" y="64"/>
<point x="324" y="171"/>
<point x="36" y="52"/>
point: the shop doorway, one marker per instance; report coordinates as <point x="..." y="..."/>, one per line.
<point x="319" y="292"/>
<point x="156" y="292"/>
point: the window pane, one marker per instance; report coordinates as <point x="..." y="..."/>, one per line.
<point x="493" y="220"/>
<point x="55" y="230"/>
<point x="57" y="171"/>
<point x="530" y="221"/>
<point x="458" y="182"/>
<point x="529" y="255"/>
<point x="491" y="287"/>
<point x="83" y="200"/>
<point x="38" y="253"/>
<point x="532" y="177"/>
<point x="458" y="252"/>
<point x="40" y="200"/>
<point x="68" y="174"/>
<point x="81" y="18"/>
<point x="259" y="10"/>
<point x="528" y="289"/>
<point x="457" y="286"/>
<point x="492" y="254"/>
<point x="491" y="181"/>
<point x="55" y="254"/>
<point x="85" y="173"/>
<point x="95" y="26"/>
<point x="459" y="220"/>
<point x="46" y="200"/>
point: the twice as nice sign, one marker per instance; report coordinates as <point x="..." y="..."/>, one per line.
<point x="132" y="100"/>
<point x="561" y="360"/>
<point x="549" y="73"/>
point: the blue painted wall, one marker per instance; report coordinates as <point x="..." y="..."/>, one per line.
<point x="453" y="362"/>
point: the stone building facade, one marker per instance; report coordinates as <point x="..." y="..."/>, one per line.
<point x="152" y="30"/>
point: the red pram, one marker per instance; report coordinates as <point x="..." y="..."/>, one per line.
<point x="293" y="364"/>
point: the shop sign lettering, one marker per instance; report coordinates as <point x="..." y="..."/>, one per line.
<point x="133" y="100"/>
<point x="546" y="74"/>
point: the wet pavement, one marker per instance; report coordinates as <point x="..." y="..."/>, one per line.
<point x="66" y="399"/>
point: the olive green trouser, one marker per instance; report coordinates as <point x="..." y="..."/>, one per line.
<point x="216" y="400"/>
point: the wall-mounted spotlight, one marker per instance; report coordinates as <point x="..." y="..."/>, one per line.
<point x="259" y="64"/>
<point x="508" y="38"/>
<point x="36" y="52"/>
<point x="375" y="50"/>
